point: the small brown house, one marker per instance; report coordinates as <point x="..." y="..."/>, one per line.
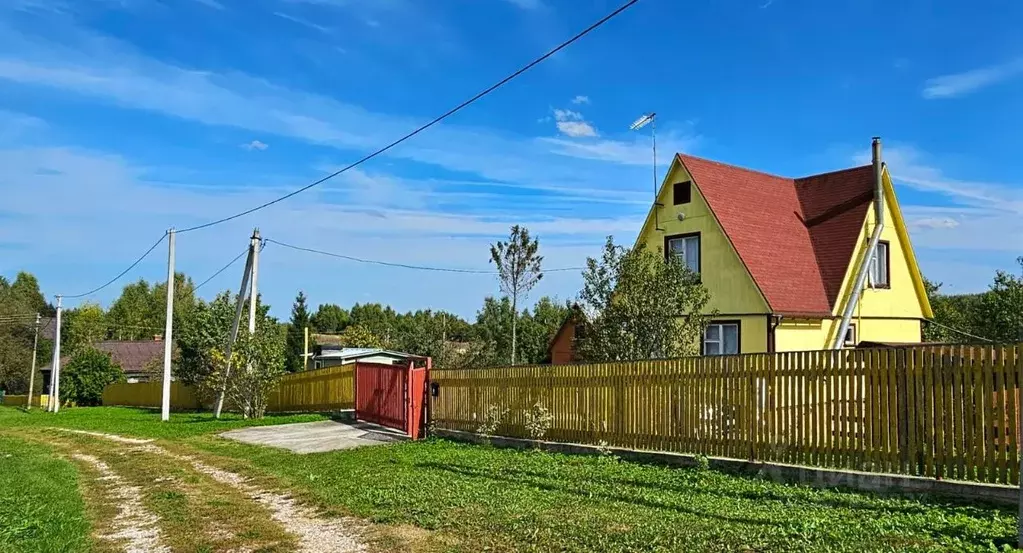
<point x="561" y="350"/>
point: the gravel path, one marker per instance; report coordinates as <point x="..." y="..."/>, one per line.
<point x="133" y="523"/>
<point x="315" y="534"/>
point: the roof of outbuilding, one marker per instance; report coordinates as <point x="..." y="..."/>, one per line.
<point x="795" y="236"/>
<point x="131" y="356"/>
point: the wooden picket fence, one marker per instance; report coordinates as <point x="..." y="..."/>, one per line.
<point x="329" y="389"/>
<point x="945" y="412"/>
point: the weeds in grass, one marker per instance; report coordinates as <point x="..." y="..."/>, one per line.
<point x="538" y="421"/>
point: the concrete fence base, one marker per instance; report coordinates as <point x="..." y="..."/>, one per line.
<point x="811" y="476"/>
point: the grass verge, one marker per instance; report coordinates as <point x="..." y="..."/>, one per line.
<point x="40" y="508"/>
<point x="473" y="498"/>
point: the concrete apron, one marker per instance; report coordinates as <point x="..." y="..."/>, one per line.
<point x="317" y="437"/>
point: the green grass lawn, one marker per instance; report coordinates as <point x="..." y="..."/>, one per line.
<point x="40" y="507"/>
<point x="486" y="499"/>
<point x="143" y="423"/>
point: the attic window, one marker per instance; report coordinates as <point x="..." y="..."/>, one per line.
<point x="880" y="272"/>
<point x="850" y="336"/>
<point x="683" y="192"/>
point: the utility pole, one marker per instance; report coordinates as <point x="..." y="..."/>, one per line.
<point x="305" y="349"/>
<point x="254" y="291"/>
<point x="55" y="371"/>
<point x="234" y="328"/>
<point x="168" y="338"/>
<point x="32" y="375"/>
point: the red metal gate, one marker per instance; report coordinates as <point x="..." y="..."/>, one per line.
<point x="392" y="395"/>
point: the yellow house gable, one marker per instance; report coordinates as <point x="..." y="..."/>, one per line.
<point x="890" y="314"/>
<point x="732" y="289"/>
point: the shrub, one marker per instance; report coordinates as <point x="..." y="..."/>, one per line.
<point x="538" y="421"/>
<point x="85" y="376"/>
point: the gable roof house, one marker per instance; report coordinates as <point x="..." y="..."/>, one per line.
<point x="135" y="357"/>
<point x="782" y="257"/>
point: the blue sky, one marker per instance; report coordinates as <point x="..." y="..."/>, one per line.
<point x="121" y="118"/>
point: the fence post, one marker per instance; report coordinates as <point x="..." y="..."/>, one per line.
<point x="903" y="409"/>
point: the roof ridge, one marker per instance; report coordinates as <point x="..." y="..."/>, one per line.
<point x="739" y="167"/>
<point x="835" y="172"/>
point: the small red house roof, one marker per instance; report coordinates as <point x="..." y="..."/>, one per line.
<point x="795" y="236"/>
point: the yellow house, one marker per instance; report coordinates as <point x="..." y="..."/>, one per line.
<point x="782" y="257"/>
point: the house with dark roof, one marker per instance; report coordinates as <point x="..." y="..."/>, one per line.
<point x="135" y="358"/>
<point x="792" y="263"/>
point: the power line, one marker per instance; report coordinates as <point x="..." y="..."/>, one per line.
<point x="433" y="122"/>
<point x="124" y="272"/>
<point x="961" y="332"/>
<point x="222" y="269"/>
<point x="405" y="265"/>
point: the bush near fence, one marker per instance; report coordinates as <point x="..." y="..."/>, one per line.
<point x="948" y="412"/>
<point x="329" y="389"/>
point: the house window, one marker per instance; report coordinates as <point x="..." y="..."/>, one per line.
<point x="880" y="272"/>
<point x="850" y="336"/>
<point x="686" y="247"/>
<point x="579" y="332"/>
<point x="721" y="338"/>
<point x="683" y="192"/>
<point x="317" y="364"/>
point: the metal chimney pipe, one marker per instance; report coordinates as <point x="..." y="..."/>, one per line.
<point x="875" y="149"/>
<point x="864" y="266"/>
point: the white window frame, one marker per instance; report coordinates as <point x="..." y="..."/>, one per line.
<point x="720" y="341"/>
<point x="875" y="272"/>
<point x="850" y="336"/>
<point x="683" y="254"/>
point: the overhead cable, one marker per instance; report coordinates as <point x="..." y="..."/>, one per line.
<point x="122" y="273"/>
<point x="406" y="265"/>
<point x="431" y="123"/>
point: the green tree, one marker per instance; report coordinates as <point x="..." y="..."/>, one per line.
<point x="208" y="328"/>
<point x="640" y="306"/>
<point x="20" y="301"/>
<point x="133" y="315"/>
<point x="84" y="326"/>
<point x="330" y="318"/>
<point x="518" y="268"/>
<point x="537" y="329"/>
<point x="86" y="374"/>
<point x="296" y="334"/>
<point x="956" y="316"/>
<point x="25" y="290"/>
<point x="1002" y="307"/>
<point x="257" y="365"/>
<point x="358" y="336"/>
<point x="491" y="341"/>
<point x="378" y="319"/>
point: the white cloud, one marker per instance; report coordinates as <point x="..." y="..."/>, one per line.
<point x="527" y="4"/>
<point x="581" y="100"/>
<point x="932" y="223"/>
<point x="958" y="84"/>
<point x="304" y="22"/>
<point x="636" y="151"/>
<point x="576" y="129"/>
<point x="211" y="4"/>
<point x="910" y="167"/>
<point x="571" y="123"/>
<point x="255" y="145"/>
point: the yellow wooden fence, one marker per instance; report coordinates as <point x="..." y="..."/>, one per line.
<point x="948" y="412"/>
<point x="21" y="400"/>
<point x="329" y="389"/>
<point x="150" y="394"/>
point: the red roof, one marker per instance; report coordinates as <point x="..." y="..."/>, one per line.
<point x="795" y="236"/>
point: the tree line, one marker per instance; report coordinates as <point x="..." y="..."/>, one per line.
<point x="629" y="306"/>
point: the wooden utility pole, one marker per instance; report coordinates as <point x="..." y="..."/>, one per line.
<point x="32" y="375"/>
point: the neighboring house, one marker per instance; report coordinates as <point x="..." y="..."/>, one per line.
<point x="136" y="358"/>
<point x="332" y="356"/>
<point x="562" y="348"/>
<point x="780" y="256"/>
